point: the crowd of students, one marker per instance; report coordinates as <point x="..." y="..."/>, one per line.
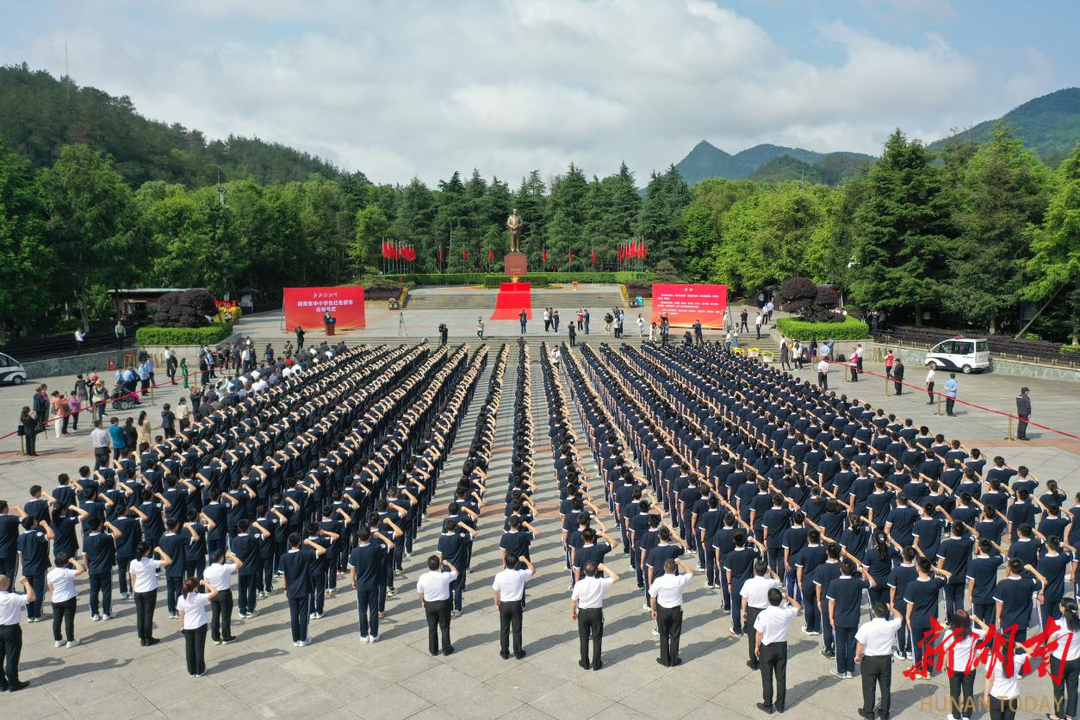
<point x="767" y="481"/>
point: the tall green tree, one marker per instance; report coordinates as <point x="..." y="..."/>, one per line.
<point x="532" y="204"/>
<point x="25" y="259"/>
<point x="370" y="230"/>
<point x="1055" y="264"/>
<point x="1002" y="192"/>
<point x="903" y="227"/>
<point x="87" y="223"/>
<point x="661" y="217"/>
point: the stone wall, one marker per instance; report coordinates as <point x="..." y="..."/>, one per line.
<point x="75" y="364"/>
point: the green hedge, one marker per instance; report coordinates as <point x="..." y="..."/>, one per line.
<point x="209" y="335"/>
<point x="535" y="278"/>
<point x="1070" y="349"/>
<point x="798" y="329"/>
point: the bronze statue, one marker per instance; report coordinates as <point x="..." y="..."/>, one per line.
<point x="514" y="223"/>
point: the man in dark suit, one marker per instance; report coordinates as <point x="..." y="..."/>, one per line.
<point x="1023" y="411"/>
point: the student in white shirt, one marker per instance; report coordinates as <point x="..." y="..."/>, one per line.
<point x="587" y="607"/>
<point x="962" y="641"/>
<point x="220" y="574"/>
<point x="433" y="587"/>
<point x="770" y="647"/>
<point x="873" y="653"/>
<point x="755" y="598"/>
<point x="192" y="608"/>
<point x="509" y="591"/>
<point x="144" y="584"/>
<point x="61" y="580"/>
<point x="666" y="594"/>
<point x="1001" y="694"/>
<point x="1065" y="661"/>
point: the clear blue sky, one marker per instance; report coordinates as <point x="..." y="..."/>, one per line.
<point x="402" y="89"/>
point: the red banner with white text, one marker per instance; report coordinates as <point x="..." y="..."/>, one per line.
<point x="686" y="304"/>
<point x="307" y="307"/>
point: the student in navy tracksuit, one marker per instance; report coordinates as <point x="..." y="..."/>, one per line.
<point x="739" y="567"/>
<point x="366" y="566"/>
<point x="807" y="561"/>
<point x="33" y="546"/>
<point x="296" y="568"/>
<point x="921" y="597"/>
<point x="824" y="576"/>
<point x="845" y="599"/>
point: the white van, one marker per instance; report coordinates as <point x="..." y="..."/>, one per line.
<point x="966" y="354"/>
<point x="11" y="370"/>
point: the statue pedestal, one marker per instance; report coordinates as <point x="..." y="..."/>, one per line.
<point x="515" y="264"/>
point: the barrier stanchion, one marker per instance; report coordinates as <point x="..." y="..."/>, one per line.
<point x="1009" y="437"/>
<point x="151" y="395"/>
<point x="886" y="386"/>
<point x="938" y="410"/>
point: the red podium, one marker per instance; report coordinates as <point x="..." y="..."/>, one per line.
<point x="515" y="264"/>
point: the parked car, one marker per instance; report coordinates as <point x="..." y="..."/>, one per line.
<point x="11" y="371"/>
<point x="965" y="354"/>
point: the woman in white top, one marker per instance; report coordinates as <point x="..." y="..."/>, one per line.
<point x="61" y="580"/>
<point x="962" y="640"/>
<point x="1001" y="693"/>
<point x="193" y="623"/>
<point x="144" y="583"/>
<point x="1065" y="661"/>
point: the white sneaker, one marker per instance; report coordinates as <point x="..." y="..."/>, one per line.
<point x="95" y="618"/>
<point x="364" y="640"/>
<point x="296" y="643"/>
<point x="58" y="643"/>
<point x="656" y="632"/>
<point x="71" y="643"/>
<point x="373" y="638"/>
<point x="646" y="607"/>
<point x="305" y="643"/>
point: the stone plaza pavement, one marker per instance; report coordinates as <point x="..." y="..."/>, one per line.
<point x="264" y="675"/>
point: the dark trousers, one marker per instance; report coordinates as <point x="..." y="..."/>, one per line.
<point x="962" y="692"/>
<point x="950" y="402"/>
<point x="774" y="662"/>
<point x="845" y="649"/>
<point x="145" y="602"/>
<point x="221" y="618"/>
<point x="591" y="626"/>
<point x="954" y="599"/>
<point x="266" y="578"/>
<point x="1021" y="426"/>
<point x="11" y="650"/>
<point x="751" y="633"/>
<point x="669" y="623"/>
<point x="63" y="614"/>
<point x="811" y="612"/>
<point x="823" y="380"/>
<point x="509" y="617"/>
<point x="828" y="638"/>
<point x="1001" y="709"/>
<point x="877" y="675"/>
<point x="367" y="606"/>
<point x="298" y="617"/>
<point x="457" y="589"/>
<point x="1065" y="706"/>
<point x="37" y="581"/>
<point x="438" y="623"/>
<point x="919" y="641"/>
<point x="318" y="591"/>
<point x="101" y="457"/>
<point x="246" y="600"/>
<point x="122" y="567"/>
<point x="101" y="583"/>
<point x="195" y="650"/>
<point x="172" y="591"/>
<point x="930" y="393"/>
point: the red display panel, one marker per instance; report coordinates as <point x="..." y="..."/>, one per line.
<point x="685" y="304"/>
<point x="305" y="307"/>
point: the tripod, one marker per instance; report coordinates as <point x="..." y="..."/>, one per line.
<point x="401" y="330"/>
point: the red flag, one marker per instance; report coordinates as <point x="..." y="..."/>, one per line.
<point x="440" y="256"/>
<point x="644" y="252"/>
<point x="385" y="251"/>
<point x="491" y="255"/>
<point x="409" y="253"/>
<point x="594" y="256"/>
<point x="571" y="254"/>
<point x="464" y="254"/>
<point x="543" y="254"/>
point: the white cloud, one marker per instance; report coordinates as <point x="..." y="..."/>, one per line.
<point x="400" y="89"/>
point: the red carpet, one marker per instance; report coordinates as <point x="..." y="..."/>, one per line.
<point x="512" y="299"/>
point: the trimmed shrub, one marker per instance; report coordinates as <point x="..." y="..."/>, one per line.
<point x="801" y="296"/>
<point x="1070" y="350"/>
<point x="209" y="335"/>
<point x="799" y="329"/>
<point x="186" y="309"/>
